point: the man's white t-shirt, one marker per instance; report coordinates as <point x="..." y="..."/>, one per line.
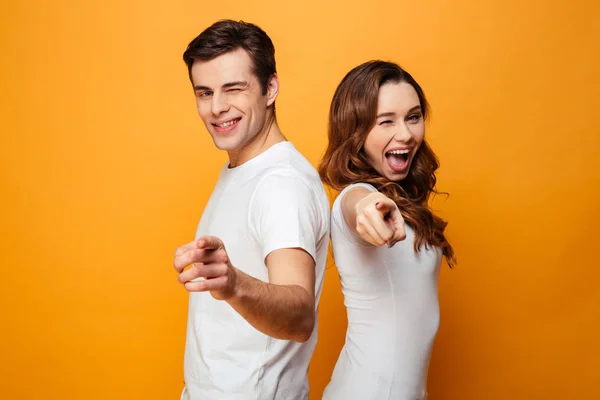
<point x="273" y="201"/>
<point x="391" y="298"/>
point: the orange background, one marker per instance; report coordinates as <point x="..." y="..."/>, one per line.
<point x="106" y="169"/>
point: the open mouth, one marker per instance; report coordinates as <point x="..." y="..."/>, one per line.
<point x="227" y="125"/>
<point x="397" y="159"/>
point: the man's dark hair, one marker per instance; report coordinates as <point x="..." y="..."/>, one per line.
<point x="225" y="36"/>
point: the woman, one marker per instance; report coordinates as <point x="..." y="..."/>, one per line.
<point x="387" y="242"/>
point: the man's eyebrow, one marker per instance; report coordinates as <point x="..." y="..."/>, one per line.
<point x="237" y="83"/>
<point x="225" y="86"/>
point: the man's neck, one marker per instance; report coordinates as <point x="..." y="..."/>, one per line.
<point x="269" y="136"/>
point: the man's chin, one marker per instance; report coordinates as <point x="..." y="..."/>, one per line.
<point x="226" y="144"/>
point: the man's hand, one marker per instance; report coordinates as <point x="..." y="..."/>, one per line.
<point x="378" y="220"/>
<point x="208" y="259"/>
<point x="283" y="308"/>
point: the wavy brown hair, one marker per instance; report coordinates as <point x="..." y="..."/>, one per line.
<point x="352" y="115"/>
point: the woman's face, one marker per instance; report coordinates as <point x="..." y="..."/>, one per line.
<point x="398" y="132"/>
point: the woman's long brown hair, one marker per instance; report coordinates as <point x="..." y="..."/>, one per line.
<point x="351" y="117"/>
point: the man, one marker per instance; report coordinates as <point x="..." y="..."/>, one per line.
<point x="258" y="260"/>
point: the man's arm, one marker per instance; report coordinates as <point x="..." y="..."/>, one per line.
<point x="284" y="308"/>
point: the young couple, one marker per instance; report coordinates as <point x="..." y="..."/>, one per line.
<point x="255" y="270"/>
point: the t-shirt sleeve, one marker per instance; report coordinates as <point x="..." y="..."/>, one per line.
<point x="284" y="213"/>
<point x="338" y="217"/>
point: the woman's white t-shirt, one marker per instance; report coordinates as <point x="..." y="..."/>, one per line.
<point x="391" y="298"/>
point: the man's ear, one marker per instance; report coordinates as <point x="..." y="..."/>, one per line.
<point x="272" y="89"/>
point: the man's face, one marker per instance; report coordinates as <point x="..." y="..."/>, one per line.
<point x="230" y="99"/>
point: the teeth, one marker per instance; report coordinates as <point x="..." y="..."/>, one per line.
<point x="405" y="151"/>
<point x="226" y="124"/>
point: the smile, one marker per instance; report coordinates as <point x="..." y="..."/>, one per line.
<point x="397" y="159"/>
<point x="227" y="124"/>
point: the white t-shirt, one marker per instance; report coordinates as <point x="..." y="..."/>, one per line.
<point x="391" y="298"/>
<point x="273" y="201"/>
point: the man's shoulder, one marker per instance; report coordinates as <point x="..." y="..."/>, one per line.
<point x="286" y="154"/>
<point x="294" y="168"/>
<point x="284" y="177"/>
<point x="286" y="182"/>
<point x="287" y="171"/>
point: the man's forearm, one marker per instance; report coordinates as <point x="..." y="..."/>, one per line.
<point x="281" y="311"/>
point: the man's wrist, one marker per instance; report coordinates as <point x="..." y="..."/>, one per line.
<point x="237" y="286"/>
